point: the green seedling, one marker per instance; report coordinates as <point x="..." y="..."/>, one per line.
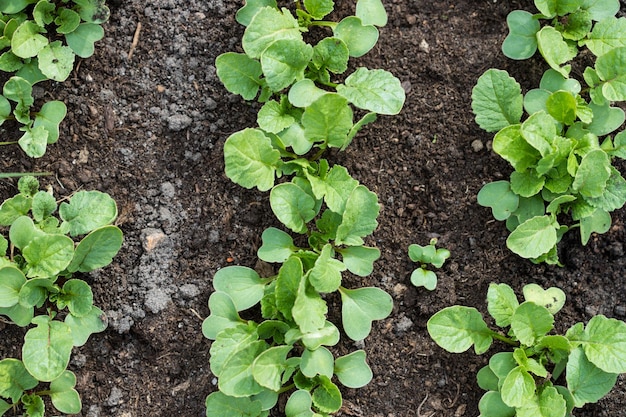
<point x="39" y="41"/>
<point x="523" y="382"/>
<point x="561" y="151"/>
<point x="40" y="289"/>
<point x="305" y="112"/>
<point x="427" y="255"/>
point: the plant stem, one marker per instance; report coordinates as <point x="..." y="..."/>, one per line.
<point x="331" y="25"/>
<point x="504" y="339"/>
<point x="286" y="388"/>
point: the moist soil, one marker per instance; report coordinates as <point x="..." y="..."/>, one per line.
<point x="146" y="123"/>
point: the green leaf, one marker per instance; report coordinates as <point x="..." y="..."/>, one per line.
<point x="56" y="61"/>
<point x="534" y="237"/>
<point x="586" y="382"/>
<point x="606" y="119"/>
<point x="288" y="282"/>
<point x="83" y="327"/>
<point x="33" y="405"/>
<point x="47" y="255"/>
<point x="553" y="299"/>
<point x="325" y="276"/>
<point x="328" y="119"/>
<point x="67" y="20"/>
<point x="97" y="249"/>
<point x="20" y="315"/>
<point x="319" y="8"/>
<point x="374" y="90"/>
<point x="309" y="309"/>
<point x="30" y="72"/>
<point x="36" y="291"/>
<point x="371" y="12"/>
<point x="9" y="62"/>
<point x="317" y="362"/>
<point x="250" y="159"/>
<point x="352" y="370"/>
<point x="284" y="62"/>
<point x="592" y="174"/>
<point x="87" y="211"/>
<point x="607" y="34"/>
<point x="529" y="323"/>
<point x="501" y="303"/>
<point x="362" y="306"/>
<point x="500" y="198"/>
<point x="228" y="342"/>
<point x="604" y="343"/>
<point x="562" y="106"/>
<point x="548" y="402"/>
<point x="14" y="379"/>
<point x="598" y="222"/>
<point x="236" y="378"/>
<point x="327" y="397"/>
<point x="268" y="367"/>
<point x="555" y="50"/>
<point x="277" y="246"/>
<point x="497" y="100"/>
<point x="14" y="207"/>
<point x="268" y="26"/>
<point x="304" y="93"/>
<point x="47" y="348"/>
<point x="337" y="188"/>
<point x="293" y="206"/>
<point x="518" y="388"/>
<point x="23" y="231"/>
<point x="327" y="336"/>
<point x="14" y="6"/>
<point x="223" y="315"/>
<point x="299" y="404"/>
<point x="242" y="284"/>
<point x="34" y="141"/>
<point x="359" y="217"/>
<point x="43" y="206"/>
<point x="491" y="405"/>
<point x="552" y="8"/>
<point x="219" y="404"/>
<point x="359" y="259"/>
<point x="83" y="38"/>
<point x="540" y="130"/>
<point x="358" y="37"/>
<point x="19" y="90"/>
<point x="521" y="42"/>
<point x="27" y="40"/>
<point x="611" y="68"/>
<point x="78" y="297"/>
<point x="526" y="184"/>
<point x="331" y="54"/>
<point x="577" y="26"/>
<point x="613" y="197"/>
<point x="63" y="395"/>
<point x="93" y="11"/>
<point x="274" y="118"/>
<point x="11" y="281"/>
<point x="246" y="13"/>
<point x="421" y="277"/>
<point x="457" y="328"/>
<point x="487" y="379"/>
<point x="601" y="9"/>
<point x="510" y="145"/>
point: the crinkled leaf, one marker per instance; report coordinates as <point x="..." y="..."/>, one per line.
<point x="521" y="42"/>
<point x="284" y="62"/>
<point x="530" y="322"/>
<point x="44" y="204"/>
<point x="457" y="328"/>
<point x="328" y="119"/>
<point x="246" y="13"/>
<point x="239" y="73"/>
<point x="362" y="306"/>
<point x="539" y="130"/>
<point x="242" y="284"/>
<point x="604" y="343"/>
<point x="288" y="282"/>
<point x="586" y="382"/>
<point x="592" y="174"/>
<point x="319" y="8"/>
<point x="327" y="397"/>
<point x="47" y="348"/>
<point x="228" y="342"/>
<point x="577" y="26"/>
<point x="93" y="11"/>
<point x="562" y="106"/>
<point x="325" y="276"/>
<point x="358" y="37"/>
<point x="555" y="50"/>
<point x="67" y="20"/>
<point x="337" y="188"/>
<point x="607" y="34"/>
<point x="518" y="388"/>
<point x="77" y="296"/>
<point x="97" y="249"/>
<point x="293" y="206"/>
<point x="601" y="9"/>
<point x="551" y="8"/>
<point x="268" y="367"/>
<point x="87" y="211"/>
<point x="27" y="40"/>
<point x="534" y="237"/>
<point x="501" y="303"/>
<point x="548" y="402"/>
<point x="359" y="217"/>
<point x="611" y="68"/>
<point x="331" y="54"/>
<point x="14" y="207"/>
<point x="267" y="26"/>
<point x="33" y="142"/>
<point x="614" y="195"/>
<point x="374" y="90"/>
<point x="251" y="159"/>
<point x="14" y="379"/>
<point x="273" y="118"/>
<point x="309" y="308"/>
<point x="497" y="100"/>
<point x="236" y="378"/>
<point x="56" y="61"/>
<point x="47" y="255"/>
<point x="11" y="281"/>
<point x="527" y="183"/>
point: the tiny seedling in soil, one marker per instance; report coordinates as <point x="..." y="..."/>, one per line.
<point x="427" y="255"/>
<point x="40" y="289"/>
<point x="561" y="151"/>
<point x="545" y="374"/>
<point x="304" y="114"/>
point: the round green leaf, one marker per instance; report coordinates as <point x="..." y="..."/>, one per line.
<point x="219" y="404"/>
<point x="521" y="42"/>
<point x="497" y="100"/>
<point x="93" y="11"/>
<point x="371" y="12"/>
<point x="518" y="388"/>
<point x="606" y="119"/>
<point x="358" y="37"/>
<point x="78" y="297"/>
<point x="491" y="405"/>
<point x="47" y="348"/>
<point x="553" y="298"/>
<point x="87" y="211"/>
<point x="246" y="13"/>
<point x="67" y="20"/>
<point x="534" y="237"/>
<point x="359" y="217"/>
<point x="63" y="395"/>
<point x="19" y="90"/>
<point x="250" y="159"/>
<point x="284" y="62"/>
<point x="236" y="378"/>
<point x="277" y="245"/>
<point x="33" y="142"/>
<point x="14" y="379"/>
<point x="374" y="90"/>
<point x="352" y="370"/>
<point x="424" y="278"/>
<point x="11" y="281"/>
<point x="359" y="259"/>
<point x="47" y="255"/>
<point x="27" y="40"/>
<point x="457" y="328"/>
<point x="501" y="303"/>
<point x="267" y="26"/>
<point x="82" y="327"/>
<point x="605" y="344"/>
<point x="56" y="61"/>
<point x="97" y="249"/>
<point x="500" y="198"/>
<point x="299" y="404"/>
<point x="268" y="367"/>
<point x="555" y="50"/>
<point x="317" y="362"/>
<point x="530" y="322"/>
<point x="304" y="92"/>
<point x="223" y="315"/>
<point x="242" y="284"/>
<point x="43" y="13"/>
<point x="293" y="206"/>
<point x="82" y="39"/>
<point x="586" y="382"/>
<point x="331" y="54"/>
<point x="562" y="106"/>
<point x="362" y="306"/>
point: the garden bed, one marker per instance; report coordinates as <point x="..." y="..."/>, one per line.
<point x="147" y="120"/>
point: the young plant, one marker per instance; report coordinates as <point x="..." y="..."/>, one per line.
<point x="40" y="289"/>
<point x="304" y="113"/>
<point x="39" y="41"/>
<point x="527" y="382"/>
<point x="427" y="255"/>
<point x="561" y="151"/>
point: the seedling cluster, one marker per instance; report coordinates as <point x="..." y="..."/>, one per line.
<point x="561" y="151"/>
<point x="39" y="43"/>
<point x="526" y="382"/>
<point x="304" y="114"/>
<point x="427" y="255"/>
<point x="39" y="289"/>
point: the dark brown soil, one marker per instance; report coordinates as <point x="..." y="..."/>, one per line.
<point x="149" y="130"/>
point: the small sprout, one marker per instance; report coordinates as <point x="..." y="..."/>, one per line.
<point x="427" y="255"/>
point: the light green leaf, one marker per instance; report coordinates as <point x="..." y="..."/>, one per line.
<point x="555" y="50"/>
<point x="277" y="246"/>
<point x="331" y="54"/>
<point x="36" y="291"/>
<point x="288" y="282"/>
<point x="491" y="405"/>
<point x="604" y="343"/>
<point x="56" y="61"/>
<point x="239" y="73"/>
<point x="242" y="284"/>
<point x="219" y="404"/>
<point x="325" y="275"/>
<point x="34" y="141"/>
<point x="273" y="118"/>
<point x="67" y="20"/>
<point x="299" y="404"/>
<point x="77" y="296"/>
<point x="421" y="277"/>
<point x="284" y="62"/>
<point x="611" y="68"/>
<point x="607" y="34"/>
<point x="304" y="92"/>
<point x="11" y="281"/>
<point x="338" y="186"/>
<point x="19" y="314"/>
<point x="500" y="198"/>
<point x="518" y="388"/>
<point x="606" y="119"/>
<point x="359" y="259"/>
<point x="359" y="217"/>
<point x="44" y="204"/>
<point x="317" y="362"/>
<point x="352" y="370"/>
<point x="309" y="309"/>
<point x="9" y="62"/>
<point x="539" y="130"/>
<point x="531" y="322"/>
<point x="267" y="26"/>
<point x="592" y="174"/>
<point x="374" y="90"/>
<point x="526" y="184"/>
<point x="93" y="11"/>
<point x="551" y="8"/>
<point x="236" y="378"/>
<point x="327" y="397"/>
<point x="63" y="395"/>
<point x="534" y="237"/>
<point x="19" y="90"/>
<point x="319" y="8"/>
<point x="601" y="9"/>
<point x="23" y="231"/>
<point x="14" y="207"/>
<point x="250" y="159"/>
<point x="97" y="249"/>
<point x="362" y="306"/>
<point x="223" y="315"/>
<point x="47" y="255"/>
<point x="87" y="211"/>
<point x="547" y="403"/>
<point x="327" y="336"/>
<point x="47" y="348"/>
<point x="328" y="119"/>
<point x="598" y="222"/>
<point x="577" y="26"/>
<point x="497" y="100"/>
<point x="33" y="405"/>
<point x="27" y="40"/>
<point x="562" y="106"/>
<point x="613" y="197"/>
<point x="83" y="38"/>
<point x="552" y="298"/>
<point x="371" y="12"/>
<point x="228" y="342"/>
<point x="521" y="42"/>
<point x="82" y="327"/>
<point x="586" y="382"/>
<point x="501" y="303"/>
<point x="246" y="13"/>
<point x="268" y="367"/>
<point x="14" y="379"/>
<point x="293" y="206"/>
<point x="358" y="37"/>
